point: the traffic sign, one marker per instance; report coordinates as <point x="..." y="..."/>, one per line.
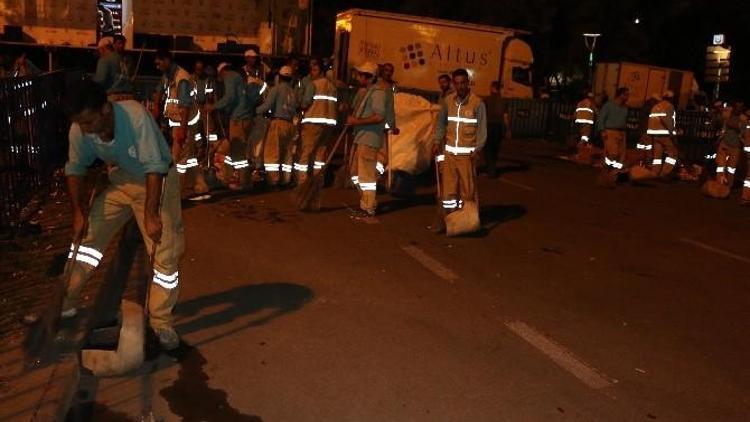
<point x="718" y="39"/>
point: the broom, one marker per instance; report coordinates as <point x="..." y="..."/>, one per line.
<point x="308" y="194"/>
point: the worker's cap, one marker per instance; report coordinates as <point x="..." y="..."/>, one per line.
<point x="367" y="67"/>
<point x="668" y="94"/>
<point x="250" y="53"/>
<point x="286" y="71"/>
<point x="105" y="41"/>
<point x="221" y="67"/>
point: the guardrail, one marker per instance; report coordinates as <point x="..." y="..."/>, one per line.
<point x="33" y="137"/>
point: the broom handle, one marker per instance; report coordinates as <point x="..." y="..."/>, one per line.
<point x="336" y="145"/>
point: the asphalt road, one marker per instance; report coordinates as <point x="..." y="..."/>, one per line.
<point x="577" y="303"/>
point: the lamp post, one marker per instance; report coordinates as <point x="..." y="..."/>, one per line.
<point x="590" y="41"/>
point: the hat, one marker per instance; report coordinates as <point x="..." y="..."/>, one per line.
<point x="285" y="71"/>
<point x="105" y="41"/>
<point x="221" y="66"/>
<point x="251" y="53"/>
<point x="367" y="67"/>
<point x="668" y="94"/>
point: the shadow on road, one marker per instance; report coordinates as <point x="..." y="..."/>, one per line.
<point x="190" y="396"/>
<point x="495" y="215"/>
<point x="400" y="204"/>
<point x="516" y="166"/>
<point x="275" y="298"/>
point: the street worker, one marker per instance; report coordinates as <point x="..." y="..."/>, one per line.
<point x="143" y="185"/>
<point x="645" y="144"/>
<point x="444" y="82"/>
<point x="111" y="72"/>
<point x="662" y="122"/>
<point x="236" y="172"/>
<point x="461" y="134"/>
<point x="181" y="113"/>
<point x="278" y="155"/>
<point x="368" y="122"/>
<point x="254" y="71"/>
<point x="730" y="145"/>
<point x="319" y="102"/>
<point x="612" y="123"/>
<point x="498" y="128"/>
<point x="746" y="149"/>
<point x="585" y="118"/>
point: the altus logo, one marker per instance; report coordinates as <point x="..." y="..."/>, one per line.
<point x="412" y="56"/>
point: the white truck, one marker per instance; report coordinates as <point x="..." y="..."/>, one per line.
<point x="421" y="49"/>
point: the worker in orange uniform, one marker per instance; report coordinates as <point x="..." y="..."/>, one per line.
<point x="728" y="152"/>
<point x="585" y="118"/>
<point x="746" y="148"/>
<point x="662" y="122"/>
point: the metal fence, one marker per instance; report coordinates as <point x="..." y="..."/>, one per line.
<point x="33" y="137"/>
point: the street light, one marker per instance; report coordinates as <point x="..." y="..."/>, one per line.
<point x="590" y="41"/>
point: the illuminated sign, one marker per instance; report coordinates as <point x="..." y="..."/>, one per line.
<point x="109" y="17"/>
<point x="718" y="39"/>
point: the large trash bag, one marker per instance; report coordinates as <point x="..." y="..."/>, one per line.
<point x="464" y="220"/>
<point x="715" y="189"/>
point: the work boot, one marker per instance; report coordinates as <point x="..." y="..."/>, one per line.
<point x="168" y="338"/>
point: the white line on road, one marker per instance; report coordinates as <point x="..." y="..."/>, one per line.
<point x="516" y="184"/>
<point x="715" y="249"/>
<point x="431" y="263"/>
<point x="561" y="356"/>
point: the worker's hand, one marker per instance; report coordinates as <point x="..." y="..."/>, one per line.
<point x="153" y="227"/>
<point x="351" y="120"/>
<point x="78" y="222"/>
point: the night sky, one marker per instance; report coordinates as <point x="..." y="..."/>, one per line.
<point x="669" y="33"/>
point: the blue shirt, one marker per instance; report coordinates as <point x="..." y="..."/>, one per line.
<point x="234" y="101"/>
<point x="281" y="101"/>
<point x="112" y="74"/>
<point x="374" y="102"/>
<point x="138" y="147"/>
<point x="612" y="116"/>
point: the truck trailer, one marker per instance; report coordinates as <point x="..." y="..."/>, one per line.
<point x="643" y="81"/>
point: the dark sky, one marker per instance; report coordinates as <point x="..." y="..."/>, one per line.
<point x="671" y="33"/>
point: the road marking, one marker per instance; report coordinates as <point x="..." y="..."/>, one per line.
<point x="715" y="250"/>
<point x="516" y="184"/>
<point x="561" y="356"/>
<point x="431" y="263"/>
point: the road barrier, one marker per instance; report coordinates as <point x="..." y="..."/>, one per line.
<point x="33" y="137"/>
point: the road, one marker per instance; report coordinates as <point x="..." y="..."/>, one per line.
<point x="577" y="303"/>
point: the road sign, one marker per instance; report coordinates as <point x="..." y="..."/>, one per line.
<point x="718" y="39"/>
<point x="717" y="63"/>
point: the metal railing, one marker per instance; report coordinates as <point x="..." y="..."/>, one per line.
<point x="33" y="137"/>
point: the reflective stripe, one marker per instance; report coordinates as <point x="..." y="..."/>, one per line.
<point x="440" y="158"/>
<point x="325" y="98"/>
<point x="644" y="147"/>
<point x="451" y="204"/>
<point x="241" y="164"/>
<point x="671" y="161"/>
<point x="209" y="90"/>
<point x="711" y="156"/>
<point x="301" y="167"/>
<point x="86" y="255"/>
<point x="380" y="167"/>
<point x="213" y="137"/>
<point x="368" y="186"/>
<point x="228" y="160"/>
<point x="355" y="180"/>
<point x="584" y="109"/>
<point x="318" y="165"/>
<point x="286" y="168"/>
<point x="387" y="126"/>
<point x="319" y="120"/>
<point x="731" y="170"/>
<point x="746" y="149"/>
<point x="657" y="162"/>
<point x="192" y="121"/>
<point x="657" y="115"/>
<point x="585" y="121"/>
<point x="612" y="163"/>
<point x="198" y="136"/>
<point x="746" y="184"/>
<point x="462" y="119"/>
<point x="181" y="168"/>
<point x="720" y="169"/>
<point x="263" y="88"/>
<point x="168" y="281"/>
<point x="584" y="138"/>
<point x="459" y="150"/>
<point x="657" y="132"/>
<point x="272" y="167"/>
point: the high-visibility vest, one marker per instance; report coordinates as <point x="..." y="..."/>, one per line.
<point x="662" y="120"/>
<point x="463" y="123"/>
<point x="171" y="107"/>
<point x="585" y="112"/>
<point x="256" y="76"/>
<point x="323" y="108"/>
